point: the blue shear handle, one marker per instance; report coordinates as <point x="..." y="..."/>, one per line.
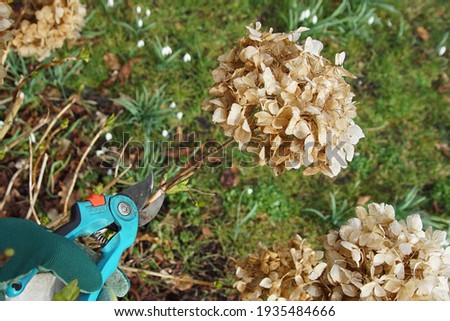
<point x="123" y="239"/>
<point x="87" y="219"/>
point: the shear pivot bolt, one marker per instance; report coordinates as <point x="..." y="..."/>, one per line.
<point x="124" y="208"/>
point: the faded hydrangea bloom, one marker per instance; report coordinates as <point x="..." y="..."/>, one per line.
<point x="376" y="257"/>
<point x="48" y="27"/>
<point x="286" y="103"/>
<point x="372" y="257"/>
<point x="283" y="272"/>
<point x="5" y="34"/>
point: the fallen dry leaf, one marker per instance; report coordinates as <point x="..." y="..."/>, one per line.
<point x="362" y="200"/>
<point x="125" y="70"/>
<point x="422" y="33"/>
<point x="112" y="61"/>
<point x="230" y="177"/>
<point x="443" y="148"/>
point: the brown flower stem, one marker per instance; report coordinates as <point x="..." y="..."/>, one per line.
<point x="171" y="277"/>
<point x="187" y="172"/>
<point x="18" y="95"/>
<point x="42" y="67"/>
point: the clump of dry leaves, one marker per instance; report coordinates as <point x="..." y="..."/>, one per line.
<point x="47" y="24"/>
<point x="286" y="103"/>
<point x="5" y="35"/>
<point x="372" y="257"/>
<point x="283" y="272"/>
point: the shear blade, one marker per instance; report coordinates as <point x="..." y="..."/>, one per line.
<point x="147" y="214"/>
<point x="140" y="192"/>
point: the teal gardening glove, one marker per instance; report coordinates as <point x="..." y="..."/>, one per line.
<point x="36" y="247"/>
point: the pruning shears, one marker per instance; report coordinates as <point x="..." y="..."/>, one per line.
<point x="122" y="214"/>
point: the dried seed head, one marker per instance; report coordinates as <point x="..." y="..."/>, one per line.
<point x="372" y="257"/>
<point x="285" y="103"/>
<point x="5" y="34"/>
<point x="283" y="272"/>
<point x="47" y="28"/>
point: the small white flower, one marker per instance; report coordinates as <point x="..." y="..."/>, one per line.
<point x="442" y="50"/>
<point x="187" y="57"/>
<point x="138" y="9"/>
<point x="110" y="3"/>
<point x="165" y="133"/>
<point x="141" y="43"/>
<point x="99" y="153"/>
<point x="389" y="23"/>
<point x="140" y="23"/>
<point x="304" y="15"/>
<point x="371" y="20"/>
<point x="314" y="20"/>
<point x="249" y="191"/>
<point x="1" y="124"/>
<point x="109" y="172"/>
<point x="108" y="136"/>
<point x="148" y="12"/>
<point x="173" y="105"/>
<point x="166" y="51"/>
<point x="33" y="138"/>
<point x="179" y="115"/>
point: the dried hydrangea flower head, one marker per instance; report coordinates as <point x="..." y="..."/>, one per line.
<point x="376" y="257"/>
<point x="286" y="103"/>
<point x="284" y="272"/>
<point x="48" y="27"/>
<point x="372" y="257"/>
<point x="5" y="34"/>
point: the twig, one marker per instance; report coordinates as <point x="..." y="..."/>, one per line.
<point x="6" y="100"/>
<point x="11" y="114"/>
<point x="77" y="170"/>
<point x="53" y="122"/>
<point x="10" y="185"/>
<point x="186" y="173"/>
<point x="116" y="180"/>
<point x="171" y="277"/>
<point x="36" y="192"/>
<point x="116" y="171"/>
<point x="25" y="135"/>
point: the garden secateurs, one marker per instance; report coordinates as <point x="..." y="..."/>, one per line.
<point x="121" y="213"/>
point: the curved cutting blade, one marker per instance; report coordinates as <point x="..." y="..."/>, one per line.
<point x="140" y="192"/>
<point x="147" y="214"/>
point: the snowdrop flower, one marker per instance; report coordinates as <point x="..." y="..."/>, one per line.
<point x="110" y="3"/>
<point x="442" y="50"/>
<point x="187" y="57"/>
<point x="304" y="15"/>
<point x="371" y="20"/>
<point x="165" y="133"/>
<point x="138" y="9"/>
<point x="108" y="136"/>
<point x="141" y="43"/>
<point x="99" y="153"/>
<point x="249" y="191"/>
<point x="1" y="124"/>
<point x="166" y="51"/>
<point x="179" y="115"/>
<point x="148" y="12"/>
<point x="389" y="23"/>
<point x="173" y="105"/>
<point x="314" y="20"/>
<point x="33" y="138"/>
<point x="140" y="23"/>
<point x="109" y="172"/>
